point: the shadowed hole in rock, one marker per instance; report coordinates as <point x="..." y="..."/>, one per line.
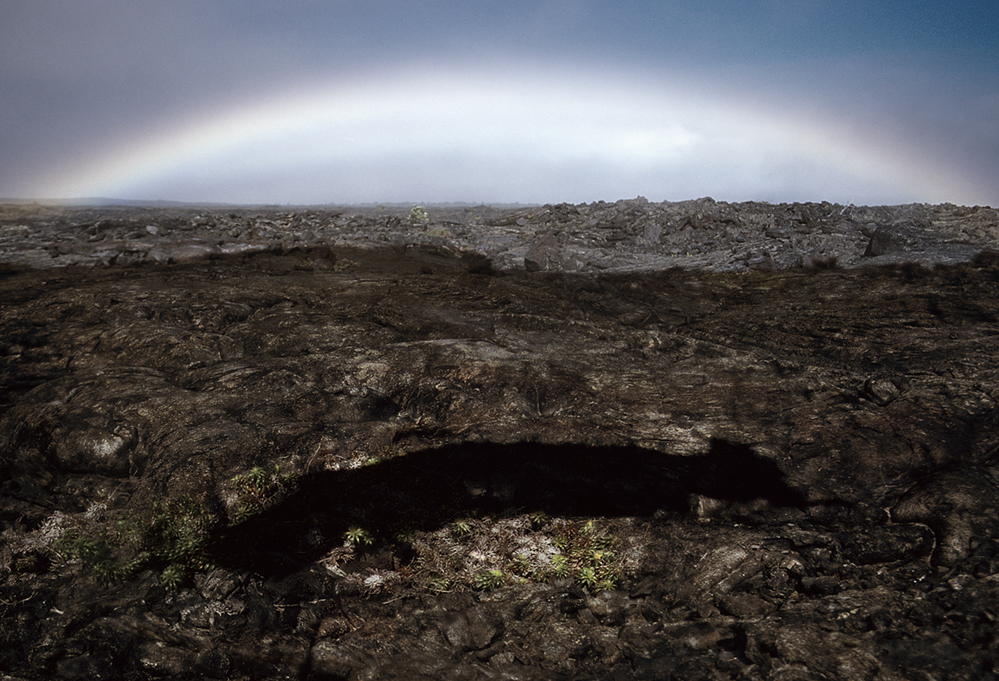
<point x="427" y="490"/>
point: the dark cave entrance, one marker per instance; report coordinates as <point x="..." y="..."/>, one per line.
<point x="428" y="489"/>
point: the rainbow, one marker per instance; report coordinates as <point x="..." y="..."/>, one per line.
<point x="489" y="135"/>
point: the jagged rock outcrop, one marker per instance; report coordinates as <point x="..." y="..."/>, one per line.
<point x="624" y="236"/>
<point x="507" y="446"/>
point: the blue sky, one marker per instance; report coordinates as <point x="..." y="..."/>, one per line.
<point x="334" y="101"/>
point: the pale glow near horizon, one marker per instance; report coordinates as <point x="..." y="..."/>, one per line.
<point x="482" y="136"/>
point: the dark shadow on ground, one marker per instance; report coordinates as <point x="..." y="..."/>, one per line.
<point x="427" y="490"/>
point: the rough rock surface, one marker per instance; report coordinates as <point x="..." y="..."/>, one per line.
<point x="614" y="441"/>
<point x="625" y="236"/>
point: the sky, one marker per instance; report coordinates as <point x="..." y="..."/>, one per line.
<point x="875" y="102"/>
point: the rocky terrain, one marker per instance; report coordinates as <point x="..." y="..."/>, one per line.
<point x="623" y="440"/>
<point x="625" y="236"/>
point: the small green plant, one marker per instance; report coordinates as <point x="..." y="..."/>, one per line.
<point x="171" y="536"/>
<point x="404" y="535"/>
<point x="358" y="536"/>
<point x="600" y="556"/>
<point x="438" y="584"/>
<point x="587" y="576"/>
<point x="461" y="528"/>
<point x="488" y="580"/>
<point x="538" y="520"/>
<point x="30" y="562"/>
<point x="173" y="576"/>
<point x="520" y="565"/>
<point x="560" y="566"/>
<point x="586" y="555"/>
<point x="418" y="215"/>
<point x="606" y="584"/>
<point x="99" y="556"/>
<point x="258" y="489"/>
<point x="487" y="553"/>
